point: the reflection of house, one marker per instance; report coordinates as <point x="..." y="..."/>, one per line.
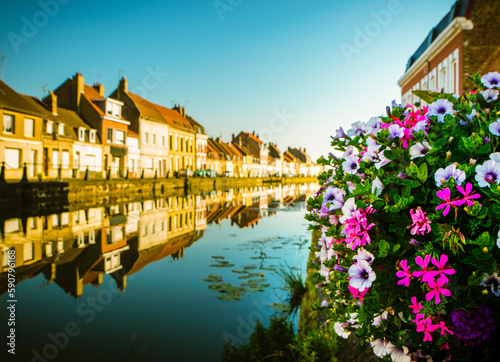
<point x="100" y="113"/>
<point x="465" y="41"/>
<point x="181" y="216"/>
<point x="200" y="219"/>
<point x="21" y="133"/>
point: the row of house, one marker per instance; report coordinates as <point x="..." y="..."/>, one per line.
<point x="78" y="248"/>
<point x="76" y="129"/>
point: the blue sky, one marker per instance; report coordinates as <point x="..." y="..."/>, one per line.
<point x="291" y="70"/>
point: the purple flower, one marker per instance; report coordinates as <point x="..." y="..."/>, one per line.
<point x="377" y="186"/>
<point x="491" y="80"/>
<point x="420" y="125"/>
<point x="373" y="126"/>
<point x="347" y="210"/>
<point x="441" y="108"/>
<point x="419" y="149"/>
<point x="350" y="165"/>
<point x="340" y="268"/>
<point x="361" y="275"/>
<point x="442" y="175"/>
<point x="395" y="130"/>
<point x="372" y="144"/>
<point x="495" y="128"/>
<point x="357" y="129"/>
<point x="492" y="281"/>
<point x="473" y="327"/>
<point x="364" y="255"/>
<point x="382" y="161"/>
<point x="490" y="95"/>
<point x="333" y="198"/>
<point x="339" y="134"/>
<point x="488" y="173"/>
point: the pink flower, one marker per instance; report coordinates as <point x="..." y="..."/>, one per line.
<point x="446" y="196"/>
<point x="356" y="293"/>
<point x="437" y="290"/>
<point x="423" y="263"/>
<point x="405" y="274"/>
<point x="467" y="195"/>
<point x="421" y="223"/>
<point x="444" y="329"/>
<point x="442" y="270"/>
<point x="426" y="326"/>
<point x="414" y="306"/>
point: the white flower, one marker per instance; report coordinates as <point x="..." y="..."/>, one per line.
<point x="377" y="186"/>
<point x="419" y="149"/>
<point x="400" y="354"/>
<point x="350" y="165"/>
<point x="347" y="210"/>
<point x="339" y="329"/>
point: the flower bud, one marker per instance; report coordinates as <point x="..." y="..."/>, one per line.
<point x="448" y="156"/>
<point x="472" y="161"/>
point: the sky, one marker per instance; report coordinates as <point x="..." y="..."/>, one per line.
<point x="293" y="71"/>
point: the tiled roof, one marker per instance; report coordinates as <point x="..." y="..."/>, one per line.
<point x="242" y="149"/>
<point x="146" y="108"/>
<point x="10" y="99"/>
<point x="252" y="137"/>
<point x="288" y="156"/>
<point x="273" y="151"/>
<point x="132" y="134"/>
<point x="91" y="92"/>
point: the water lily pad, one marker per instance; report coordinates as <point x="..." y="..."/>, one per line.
<point x="217" y="257"/>
<point x="255" y="289"/>
<point x="268" y="268"/>
<point x="277" y="247"/>
<point x="250" y="267"/>
<point x="212" y="278"/>
<point x="253" y="282"/>
<point x="229" y="298"/>
<point x="239" y="271"/>
<point x="280" y="307"/>
<point x="249" y="275"/>
<point x="222" y="264"/>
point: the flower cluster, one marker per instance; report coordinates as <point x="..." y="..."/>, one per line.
<point x="408" y="219"/>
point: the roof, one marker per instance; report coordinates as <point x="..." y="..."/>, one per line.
<point x="273" y="151"/>
<point x="242" y="149"/>
<point x="287" y="156"/>
<point x="253" y="137"/>
<point x="459" y="9"/>
<point x="10" y="99"/>
<point x="132" y="134"/>
<point x="212" y="150"/>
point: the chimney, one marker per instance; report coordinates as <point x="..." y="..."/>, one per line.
<point x="123" y="85"/>
<point x="51" y="103"/>
<point x="78" y="84"/>
<point x="304" y="150"/>
<point x="99" y="88"/>
<point x="253" y="133"/>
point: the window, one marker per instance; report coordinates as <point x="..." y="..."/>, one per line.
<point x="110" y="135"/>
<point x="60" y="129"/>
<point x="182" y="145"/>
<point x="49" y="127"/>
<point x="175" y="143"/>
<point x="163" y="141"/>
<point x="81" y="134"/>
<point x="28" y="251"/>
<point x="152" y="228"/>
<point x="13" y="158"/>
<point x="92" y="136"/>
<point x="8" y="123"/>
<point x="170" y="223"/>
<point x="109" y="108"/>
<point x="120" y="137"/>
<point x="162" y="225"/>
<point x="149" y="163"/>
<point x="153" y="139"/>
<point x="170" y="142"/>
<point x="29" y="127"/>
<point x="144" y="230"/>
<point x="116" y="110"/>
<point x="55" y="158"/>
<point x="65" y="159"/>
<point x="145" y="138"/>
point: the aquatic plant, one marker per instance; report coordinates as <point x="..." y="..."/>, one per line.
<point x="409" y="215"/>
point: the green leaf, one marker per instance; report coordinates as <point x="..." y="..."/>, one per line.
<point x="426" y="96"/>
<point x="396" y="248"/>
<point x="422" y="172"/>
<point x="383" y="248"/>
<point x="405" y="192"/>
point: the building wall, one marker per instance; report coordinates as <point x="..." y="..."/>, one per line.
<point x="179" y="157"/>
<point x="154" y="147"/>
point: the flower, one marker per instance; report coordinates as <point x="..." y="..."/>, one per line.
<point x="339" y="133"/>
<point x="350" y="165"/>
<point x="364" y="255"/>
<point x="339" y="329"/>
<point x="334" y="198"/>
<point x="419" y="149"/>
<point x="442" y="270"/>
<point x="357" y="129"/>
<point x="498" y="239"/>
<point x="441" y="108"/>
<point x="382" y="347"/>
<point x="423" y="263"/>
<point x="467" y="195"/>
<point x="373" y="125"/>
<point x="426" y="326"/>
<point x="414" y="306"/>
<point x="347" y="210"/>
<point x="405" y="274"/>
<point x="444" y="328"/>
<point x="421" y="223"/>
<point x="437" y="290"/>
<point x="400" y="354"/>
<point x="488" y="173"/>
<point x="382" y="160"/>
<point x="492" y="281"/>
<point x="443" y="175"/>
<point x="361" y="275"/>
<point x="446" y="196"/>
<point x="494" y="128"/>
<point x="356" y="293"/>
<point x="490" y="95"/>
<point x="377" y="186"/>
<point x="395" y="131"/>
<point x="491" y="80"/>
<point x="473" y="327"/>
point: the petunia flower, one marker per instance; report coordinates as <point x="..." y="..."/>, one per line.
<point x="445" y="195"/>
<point x="382" y="160"/>
<point x="362" y="275"/>
<point x="437" y="289"/>
<point x="488" y="173"/>
<point x="491" y="80"/>
<point x="467" y="195"/>
<point x="364" y="255"/>
<point x="339" y="133"/>
<point x="424" y="273"/>
<point x="419" y="149"/>
<point x="442" y="268"/>
<point x="441" y="108"/>
<point x="492" y="281"/>
<point x="442" y="175"/>
<point x="405" y="274"/>
<point x="340" y="329"/>
<point x="357" y="129"/>
<point x="400" y="354"/>
<point x="350" y="165"/>
<point x="490" y="95"/>
<point x="382" y="347"/>
<point x="377" y="186"/>
<point x="494" y="128"/>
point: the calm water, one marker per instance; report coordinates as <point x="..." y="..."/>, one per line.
<point x="164" y="280"/>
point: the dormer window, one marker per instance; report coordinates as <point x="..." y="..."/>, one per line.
<point x="116" y="110"/>
<point x="81" y="134"/>
<point x="109" y="108"/>
<point x="60" y="129"/>
<point x="50" y="127"/>
<point x="92" y="136"/>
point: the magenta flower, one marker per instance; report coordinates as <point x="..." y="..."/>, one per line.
<point x="444" y="329"/>
<point x="442" y="268"/>
<point x="445" y="195"/>
<point x="405" y="274"/>
<point x="467" y="195"/>
<point x="414" y="306"/>
<point x="423" y="263"/>
<point x="421" y="223"/>
<point x="437" y="290"/>
<point x="426" y="326"/>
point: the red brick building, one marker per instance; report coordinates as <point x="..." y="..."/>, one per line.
<point x="465" y="41"/>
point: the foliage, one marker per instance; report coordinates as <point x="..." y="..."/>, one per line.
<point x="295" y="287"/>
<point x="409" y="220"/>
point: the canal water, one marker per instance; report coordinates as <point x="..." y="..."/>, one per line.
<point x="169" y="279"/>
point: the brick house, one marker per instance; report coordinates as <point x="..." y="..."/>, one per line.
<point x="465" y="41"/>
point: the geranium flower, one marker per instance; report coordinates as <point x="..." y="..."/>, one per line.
<point x="442" y="175"/>
<point x="426" y="326"/>
<point x="495" y="128"/>
<point x="488" y="173"/>
<point x="437" y="289"/>
<point x="423" y="263"/>
<point x="362" y="275"/>
<point x="421" y="223"/>
<point x="414" y="306"/>
<point x="491" y="80"/>
<point x="441" y="108"/>
<point x="467" y="195"/>
<point x="445" y="195"/>
<point x="442" y="269"/>
<point x="444" y="328"/>
<point x="419" y="149"/>
<point x="492" y="281"/>
<point x="356" y="293"/>
<point x="490" y="95"/>
<point x="405" y="274"/>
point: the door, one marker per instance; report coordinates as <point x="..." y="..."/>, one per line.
<point x="33" y="165"/>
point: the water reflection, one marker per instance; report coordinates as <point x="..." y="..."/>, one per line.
<point x="78" y="248"/>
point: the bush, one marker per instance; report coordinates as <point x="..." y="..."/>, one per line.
<point x="409" y="215"/>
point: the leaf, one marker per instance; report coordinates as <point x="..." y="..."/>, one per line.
<point x="405" y="192"/>
<point x="396" y="248"/>
<point x="422" y="172"/>
<point x="383" y="248"/>
<point x="426" y="96"/>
